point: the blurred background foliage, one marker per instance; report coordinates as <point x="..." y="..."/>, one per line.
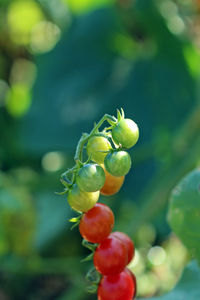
<point x="63" y="64"/>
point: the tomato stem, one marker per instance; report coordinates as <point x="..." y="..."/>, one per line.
<point x="85" y="136"/>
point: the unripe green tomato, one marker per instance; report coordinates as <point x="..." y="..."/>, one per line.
<point x="118" y="163"/>
<point x="90" y="178"/>
<point x="95" y="145"/>
<point x="80" y="200"/>
<point x="126" y="133"/>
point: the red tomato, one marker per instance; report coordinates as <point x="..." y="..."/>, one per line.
<point x="127" y="242"/>
<point x="116" y="287"/>
<point x="112" y="184"/>
<point x="110" y="257"/>
<point x="134" y="281"/>
<point x="97" y="223"/>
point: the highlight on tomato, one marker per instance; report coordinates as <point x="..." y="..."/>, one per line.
<point x="116" y="287"/>
<point x="90" y="178"/>
<point x="112" y="184"/>
<point x="117" y="163"/>
<point x="97" y="223"/>
<point x="134" y="280"/>
<point x="125" y="133"/>
<point x="81" y="201"/>
<point x="127" y="242"/>
<point x="96" y="147"/>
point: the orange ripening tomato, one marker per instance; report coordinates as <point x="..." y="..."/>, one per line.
<point x="112" y="184"/>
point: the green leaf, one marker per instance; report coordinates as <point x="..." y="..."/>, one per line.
<point x="119" y="117"/>
<point x="92" y="289"/>
<point x="62" y="193"/>
<point x="188" y="288"/>
<point x="122" y="113"/>
<point x="74" y="220"/>
<point x="89" y="245"/>
<point x="88" y="258"/>
<point x="184" y="212"/>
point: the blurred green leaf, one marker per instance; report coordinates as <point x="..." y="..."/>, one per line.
<point x="184" y="212"/>
<point x="17" y="219"/>
<point x="80" y="6"/>
<point x="188" y="287"/>
<point x="52" y="212"/>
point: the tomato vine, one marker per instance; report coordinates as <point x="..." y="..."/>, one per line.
<point x="103" y="172"/>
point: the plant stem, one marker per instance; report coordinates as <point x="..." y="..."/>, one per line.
<point x="85" y="136"/>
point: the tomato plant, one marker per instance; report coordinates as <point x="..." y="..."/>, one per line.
<point x="125" y="133"/>
<point x="96" y="147"/>
<point x="80" y="200"/>
<point x="112" y="184"/>
<point x="97" y="223"/>
<point x="118" y="163"/>
<point x="116" y="287"/>
<point x="90" y="178"/>
<point x="111" y="252"/>
<point x="127" y="242"/>
<point x="110" y="257"/>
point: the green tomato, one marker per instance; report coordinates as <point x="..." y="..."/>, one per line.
<point x="118" y="163"/>
<point x="80" y="200"/>
<point x="126" y="133"/>
<point x="95" y="145"/>
<point x="90" y="178"/>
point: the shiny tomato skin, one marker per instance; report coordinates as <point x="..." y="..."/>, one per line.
<point x="95" y="145"/>
<point x="117" y="163"/>
<point x="134" y="281"/>
<point x="116" y="287"/>
<point x="110" y="257"/>
<point x="127" y="242"/>
<point x="125" y="133"/>
<point x="97" y="223"/>
<point x="81" y="201"/>
<point x="90" y="178"/>
<point x="112" y="184"/>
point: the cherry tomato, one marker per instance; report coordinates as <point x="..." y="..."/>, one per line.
<point x="97" y="223"/>
<point x="116" y="287"/>
<point x="95" y="145"/>
<point x="112" y="184"/>
<point x="118" y="163"/>
<point x="134" y="281"/>
<point x="127" y="242"/>
<point x="110" y="257"/>
<point x="126" y="133"/>
<point x="80" y="200"/>
<point x="90" y="178"/>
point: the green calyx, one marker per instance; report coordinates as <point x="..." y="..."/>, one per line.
<point x="76" y="220"/>
<point x="91" y="247"/>
<point x="94" y="277"/>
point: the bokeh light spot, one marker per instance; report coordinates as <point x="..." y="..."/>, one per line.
<point x="135" y="260"/>
<point x="23" y="72"/>
<point x="81" y="6"/>
<point x="22" y="16"/>
<point x="53" y="161"/>
<point x="44" y="37"/>
<point x="156" y="255"/>
<point x="176" y="25"/>
<point x="18" y="100"/>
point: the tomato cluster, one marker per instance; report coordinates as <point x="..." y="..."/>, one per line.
<point x="103" y="173"/>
